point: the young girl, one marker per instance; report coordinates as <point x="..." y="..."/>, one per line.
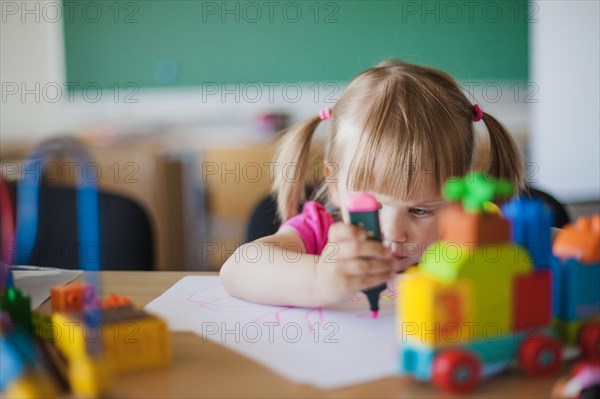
<point x="398" y="131"/>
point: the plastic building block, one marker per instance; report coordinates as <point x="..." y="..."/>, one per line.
<point x="575" y="287"/>
<point x="12" y="364"/>
<point x="42" y="326"/>
<point x="89" y="376"/>
<point x="131" y="339"/>
<point x="449" y="262"/>
<point x="580" y="241"/>
<point x="475" y="189"/>
<point x="495" y="349"/>
<point x="540" y="355"/>
<point x="113" y="301"/>
<point x="18" y="306"/>
<point x="530" y="223"/>
<point x="532" y="300"/>
<point x="589" y="342"/>
<point x="33" y="384"/>
<point x="456" y="371"/>
<point x="442" y="315"/>
<point x="568" y="331"/>
<point x="473" y="229"/>
<point x="415" y="359"/>
<point x="71" y="297"/>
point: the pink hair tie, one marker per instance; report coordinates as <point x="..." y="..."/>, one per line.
<point x="477" y="113"/>
<point x="325" y="113"/>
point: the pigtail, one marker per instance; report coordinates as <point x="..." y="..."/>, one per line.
<point x="504" y="156"/>
<point x="291" y="164"/>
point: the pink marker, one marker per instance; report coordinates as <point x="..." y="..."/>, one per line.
<point x="364" y="213"/>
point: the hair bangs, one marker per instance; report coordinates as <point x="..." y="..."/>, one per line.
<point x="391" y="159"/>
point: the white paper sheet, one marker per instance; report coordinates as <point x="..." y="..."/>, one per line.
<point x="328" y="348"/>
<point x="37" y="281"/>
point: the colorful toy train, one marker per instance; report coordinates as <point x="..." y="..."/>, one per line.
<point x="491" y="291"/>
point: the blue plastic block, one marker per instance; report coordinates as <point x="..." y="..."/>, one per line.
<point x="415" y="360"/>
<point x="576" y="289"/>
<point x="11" y="364"/>
<point x="530" y="223"/>
<point x="497" y="349"/>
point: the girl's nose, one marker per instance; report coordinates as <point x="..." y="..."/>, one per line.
<point x="396" y="230"/>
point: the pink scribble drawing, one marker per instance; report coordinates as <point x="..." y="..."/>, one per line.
<point x="223" y="302"/>
<point x="310" y="325"/>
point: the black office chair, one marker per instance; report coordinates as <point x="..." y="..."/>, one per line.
<point x="264" y="220"/>
<point x="126" y="239"/>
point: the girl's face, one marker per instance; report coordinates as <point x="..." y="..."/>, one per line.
<point x="408" y="227"/>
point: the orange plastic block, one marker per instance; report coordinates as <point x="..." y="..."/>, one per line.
<point x="532" y="301"/>
<point x="113" y="301"/>
<point x="462" y="227"/>
<point x="580" y="241"/>
<point x="71" y="297"/>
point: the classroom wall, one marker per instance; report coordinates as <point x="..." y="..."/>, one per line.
<point x="238" y="52"/>
<point x="32" y="70"/>
<point x="564" y="122"/>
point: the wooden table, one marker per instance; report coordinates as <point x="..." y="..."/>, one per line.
<point x="207" y="369"/>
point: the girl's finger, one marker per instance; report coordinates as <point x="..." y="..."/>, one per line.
<point x="360" y="283"/>
<point x="351" y="249"/>
<point x="342" y="231"/>
<point x="361" y="267"/>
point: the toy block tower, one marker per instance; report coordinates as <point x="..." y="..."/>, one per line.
<point x="477" y="277"/>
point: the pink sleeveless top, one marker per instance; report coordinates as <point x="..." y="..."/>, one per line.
<point x="312" y="225"/>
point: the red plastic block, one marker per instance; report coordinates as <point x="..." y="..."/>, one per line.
<point x="71" y="297"/>
<point x="532" y="302"/>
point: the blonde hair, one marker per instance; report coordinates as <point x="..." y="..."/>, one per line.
<point x="400" y="122"/>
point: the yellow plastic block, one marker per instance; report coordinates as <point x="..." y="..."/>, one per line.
<point x="433" y="312"/>
<point x="131" y="340"/>
<point x="141" y="344"/>
<point x="33" y="384"/>
<point x="568" y="330"/>
<point x="490" y="269"/>
<point x="89" y="376"/>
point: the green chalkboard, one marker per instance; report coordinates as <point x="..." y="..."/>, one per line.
<point x="185" y="43"/>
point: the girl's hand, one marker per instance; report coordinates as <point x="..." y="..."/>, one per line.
<point x="350" y="263"/>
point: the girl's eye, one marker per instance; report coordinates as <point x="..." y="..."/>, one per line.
<point x="420" y="212"/>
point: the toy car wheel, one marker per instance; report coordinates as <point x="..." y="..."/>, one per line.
<point x="540" y="355"/>
<point x="589" y="342"/>
<point x="456" y="371"/>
